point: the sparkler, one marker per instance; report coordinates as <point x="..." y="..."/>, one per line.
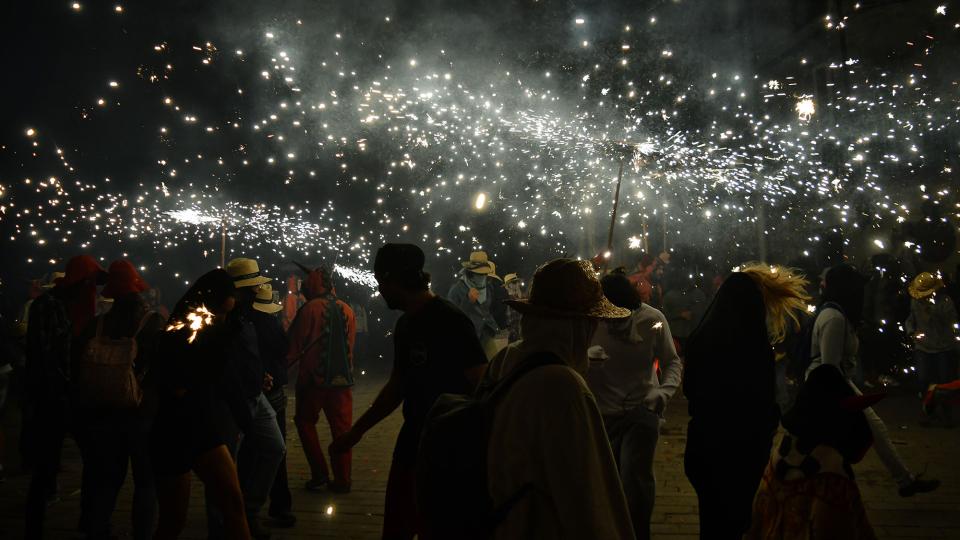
<point x="195" y="321"/>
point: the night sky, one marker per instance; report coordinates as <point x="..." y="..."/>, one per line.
<point x="316" y="131"/>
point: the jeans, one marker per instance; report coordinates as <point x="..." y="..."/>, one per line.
<point x="935" y="368"/>
<point x="633" y="439"/>
<point x="107" y="445"/>
<point x="337" y="406"/>
<point x="884" y="446"/>
<point x="262" y="449"/>
<point x="281" y="501"/>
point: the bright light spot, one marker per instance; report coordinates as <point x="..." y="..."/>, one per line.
<point x="805" y="108"/>
<point x="76" y="6"/>
<point x="878" y="243"/>
<point x="941" y="10"/>
<point x="31" y="132"/>
<point x="580" y="20"/>
<point x="480" y="201"/>
<point x="118" y="8"/>
<point x="114" y="84"/>
<point x="329" y="510"/>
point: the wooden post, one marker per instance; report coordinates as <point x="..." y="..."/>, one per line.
<point x="223" y="244"/>
<point x="616" y="202"/>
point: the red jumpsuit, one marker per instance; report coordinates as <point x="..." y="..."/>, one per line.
<point x="308" y="346"/>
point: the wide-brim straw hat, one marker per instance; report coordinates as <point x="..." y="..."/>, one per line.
<point x="478" y="263"/>
<point x="264" y="300"/>
<point x="510" y="278"/>
<point x="924" y="285"/>
<point x="54" y="278"/>
<point x="245" y="273"/>
<point x="568" y="288"/>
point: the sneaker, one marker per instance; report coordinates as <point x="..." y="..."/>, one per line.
<point x="316" y="484"/>
<point x="282" y="520"/>
<point x="919" y="485"/>
<point x="339" y="488"/>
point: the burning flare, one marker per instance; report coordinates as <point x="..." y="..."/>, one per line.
<point x="196" y="320"/>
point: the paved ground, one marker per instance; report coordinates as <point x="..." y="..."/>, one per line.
<point x="359" y="514"/>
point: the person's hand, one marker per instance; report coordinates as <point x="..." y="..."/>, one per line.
<point x="474" y="295"/>
<point x="344" y="442"/>
<point x="267" y="382"/>
<point x="656" y="400"/>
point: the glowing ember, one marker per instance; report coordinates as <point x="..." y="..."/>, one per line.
<point x="196" y="320"/>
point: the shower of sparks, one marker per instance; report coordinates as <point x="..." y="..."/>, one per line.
<point x="195" y="321"/>
<point x="440" y="135"/>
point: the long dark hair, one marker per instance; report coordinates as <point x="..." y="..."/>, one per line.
<point x="844" y="285"/>
<point x="618" y="289"/>
<point x="730" y="352"/>
<point x="211" y="290"/>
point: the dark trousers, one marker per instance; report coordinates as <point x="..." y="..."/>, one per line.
<point x="401" y="521"/>
<point x="281" y="501"/>
<point x="107" y="446"/>
<point x="633" y="438"/>
<point x="48" y="429"/>
<point x="935" y="368"/>
<point x="725" y="470"/>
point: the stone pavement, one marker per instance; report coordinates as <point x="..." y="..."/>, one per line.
<point x="360" y="513"/>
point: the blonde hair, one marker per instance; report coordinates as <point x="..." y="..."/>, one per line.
<point x="784" y="293"/>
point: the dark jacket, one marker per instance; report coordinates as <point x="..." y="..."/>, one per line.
<point x="273" y="345"/>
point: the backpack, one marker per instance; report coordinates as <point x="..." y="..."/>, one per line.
<point x="451" y="474"/>
<point x="105" y="374"/>
<point x="337" y="371"/>
<point x="802" y="352"/>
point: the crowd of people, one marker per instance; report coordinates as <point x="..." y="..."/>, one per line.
<point x="528" y="412"/>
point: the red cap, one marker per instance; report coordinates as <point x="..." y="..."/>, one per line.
<point x="123" y="278"/>
<point x="80" y="268"/>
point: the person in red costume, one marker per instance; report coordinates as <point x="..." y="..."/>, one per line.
<point x="321" y="339"/>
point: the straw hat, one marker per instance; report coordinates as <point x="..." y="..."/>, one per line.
<point x="510" y="278"/>
<point x="245" y="273"/>
<point x="568" y="288"/>
<point x="54" y="278"/>
<point x="264" y="300"/>
<point x="478" y="263"/>
<point x="123" y="278"/>
<point x="924" y="285"/>
<point x="493" y="272"/>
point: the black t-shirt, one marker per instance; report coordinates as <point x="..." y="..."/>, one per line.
<point x="432" y="349"/>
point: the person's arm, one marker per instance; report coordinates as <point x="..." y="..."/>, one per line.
<point x="670" y="367"/>
<point x="387" y="401"/>
<point x="910" y="325"/>
<point x="297" y="336"/>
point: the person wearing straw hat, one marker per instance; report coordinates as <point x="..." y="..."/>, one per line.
<point x="272" y="343"/>
<point x="57" y="318"/>
<point x="473" y="295"/>
<point x="322" y="338"/>
<point x="262" y="440"/>
<point x="547" y="432"/>
<point x="932" y="324"/>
